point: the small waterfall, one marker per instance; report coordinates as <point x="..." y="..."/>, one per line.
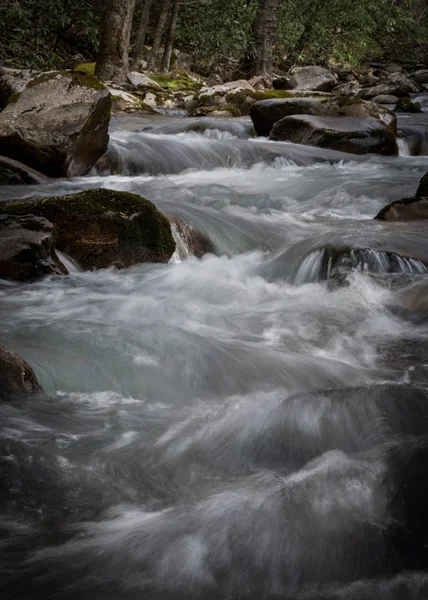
<point x="321" y="264"/>
<point x="403" y="147"/>
<point x="182" y="251"/>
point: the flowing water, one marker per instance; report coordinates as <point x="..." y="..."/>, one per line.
<point x="251" y="424"/>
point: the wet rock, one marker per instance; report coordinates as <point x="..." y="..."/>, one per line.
<point x="189" y="241"/>
<point x="266" y="113"/>
<point x="217" y="94"/>
<point x="13" y="172"/>
<point x="102" y="228"/>
<point x="13" y="82"/>
<point x="405" y="104"/>
<point x="139" y="81"/>
<point x="312" y="78"/>
<point x="58" y="124"/>
<point x="386" y="99"/>
<point x="27" y="248"/>
<point x="345" y="134"/>
<point x="17" y="378"/>
<point x="123" y="101"/>
<point x="406" y="209"/>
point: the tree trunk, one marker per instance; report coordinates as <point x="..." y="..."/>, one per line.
<point x="163" y="16"/>
<point x="141" y="35"/>
<point x="264" y="32"/>
<point x="112" y="62"/>
<point x="169" y="44"/>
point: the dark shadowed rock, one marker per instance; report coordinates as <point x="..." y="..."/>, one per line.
<point x="13" y="82"/>
<point x="102" y="228"/>
<point x="386" y="99"/>
<point x="17" y="378"/>
<point x="349" y="88"/>
<point x="406" y="209"/>
<point x="283" y="83"/>
<point x="423" y="186"/>
<point x="405" y="104"/>
<point x="312" y="78"/>
<point x="58" y="124"/>
<point x="266" y="113"/>
<point x="345" y="134"/>
<point x="420" y="76"/>
<point x="27" y="248"/>
<point x="13" y="172"/>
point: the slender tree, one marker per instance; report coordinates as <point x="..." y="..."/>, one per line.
<point x="163" y="17"/>
<point x="142" y="33"/>
<point x="169" y="44"/>
<point x="112" y="62"/>
<point x="264" y="32"/>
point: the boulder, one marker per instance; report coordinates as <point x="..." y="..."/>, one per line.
<point x="223" y="110"/>
<point x="312" y="78"/>
<point x="405" y="104"/>
<point x="266" y="113"/>
<point x="350" y="88"/>
<point x="58" y="124"/>
<point x="27" y="248"/>
<point x="17" y="378"/>
<point x="420" y="76"/>
<point x="123" y="101"/>
<point x="386" y="99"/>
<point x="345" y="134"/>
<point x="139" y="81"/>
<point x="13" y="82"/>
<point x="395" y="85"/>
<point x="423" y="186"/>
<point x="13" y="172"/>
<point x="406" y="209"/>
<point x="102" y="228"/>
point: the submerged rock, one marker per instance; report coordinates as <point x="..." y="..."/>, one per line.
<point x="58" y="124"/>
<point x="17" y="378"/>
<point x="266" y="113"/>
<point x="13" y="172"/>
<point x="345" y="134"/>
<point x="27" y="248"/>
<point x="102" y="228"/>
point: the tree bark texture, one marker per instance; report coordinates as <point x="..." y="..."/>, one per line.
<point x="163" y="16"/>
<point x="142" y="33"/>
<point x="169" y="44"/>
<point x="264" y="32"/>
<point x="112" y="62"/>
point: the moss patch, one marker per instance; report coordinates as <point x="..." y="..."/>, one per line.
<point x="86" y="68"/>
<point x="77" y="79"/>
<point x="13" y="99"/>
<point x="174" y="84"/>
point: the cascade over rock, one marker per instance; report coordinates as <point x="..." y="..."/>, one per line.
<point x="58" y="124"/>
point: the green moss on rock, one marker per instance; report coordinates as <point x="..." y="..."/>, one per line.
<point x="14" y="98"/>
<point x="87" y="68"/>
<point x="100" y="228"/>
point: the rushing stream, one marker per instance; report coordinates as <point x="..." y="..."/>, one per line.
<point x="252" y="424"/>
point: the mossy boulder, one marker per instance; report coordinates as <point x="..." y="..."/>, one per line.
<point x="13" y="82"/>
<point x="406" y="209"/>
<point x="27" y="248"/>
<point x="85" y="68"/>
<point x="345" y="134"/>
<point x="59" y="123"/>
<point x="102" y="228"/>
<point x="17" y="378"/>
<point x="266" y="113"/>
